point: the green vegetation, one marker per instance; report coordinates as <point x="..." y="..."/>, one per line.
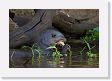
<point x="56" y="54"/>
<point x="70" y="58"/>
<point x="34" y="48"/>
<point x="91" y="35"/>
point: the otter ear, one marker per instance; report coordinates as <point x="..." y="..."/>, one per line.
<point x="53" y="35"/>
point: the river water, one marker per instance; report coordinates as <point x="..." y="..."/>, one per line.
<point x="73" y="60"/>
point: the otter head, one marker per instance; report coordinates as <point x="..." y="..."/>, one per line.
<point x="53" y="37"/>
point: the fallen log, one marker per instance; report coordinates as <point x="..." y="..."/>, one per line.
<point x="30" y="32"/>
<point x="69" y="25"/>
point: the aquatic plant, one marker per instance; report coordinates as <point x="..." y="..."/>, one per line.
<point x="91" y="35"/>
<point x="70" y="58"/>
<point x="33" y="49"/>
<point x="56" y="54"/>
<point x="81" y="52"/>
<point x="89" y="52"/>
<point x="39" y="51"/>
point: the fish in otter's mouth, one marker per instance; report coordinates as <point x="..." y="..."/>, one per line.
<point x="60" y="42"/>
<point x="62" y="47"/>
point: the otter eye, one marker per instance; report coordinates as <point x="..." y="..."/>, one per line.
<point x="53" y="35"/>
